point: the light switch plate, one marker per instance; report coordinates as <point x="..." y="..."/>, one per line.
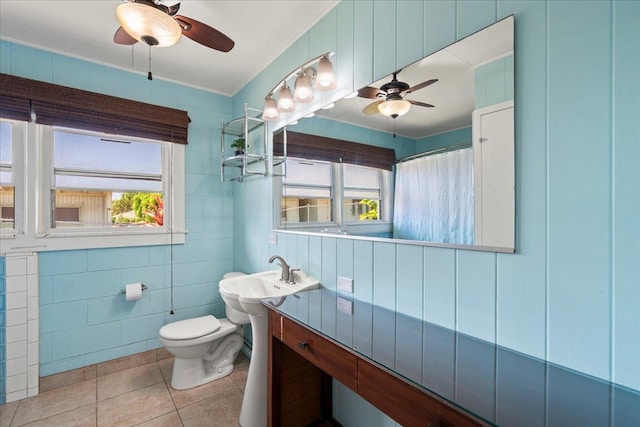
<point x="273" y="238"/>
<point x="345" y="284"/>
<point x="345" y="305"/>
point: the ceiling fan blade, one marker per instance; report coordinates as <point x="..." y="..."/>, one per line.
<point x="370" y="92"/>
<point x="122" y="37"/>
<point x="421" y="104"/>
<point x="372" y="108"/>
<point x="204" y="34"/>
<point x="419" y="86"/>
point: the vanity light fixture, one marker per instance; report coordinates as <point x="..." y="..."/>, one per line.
<point x="307" y="78"/>
<point x="148" y="24"/>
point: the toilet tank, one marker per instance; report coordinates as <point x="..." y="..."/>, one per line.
<point x="237" y="317"/>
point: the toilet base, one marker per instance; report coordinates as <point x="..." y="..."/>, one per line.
<point x="195" y="372"/>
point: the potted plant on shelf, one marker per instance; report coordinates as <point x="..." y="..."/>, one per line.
<point x="239" y="146"/>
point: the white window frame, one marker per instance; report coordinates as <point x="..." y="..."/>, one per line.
<point x="33" y="181"/>
<point x="337" y="196"/>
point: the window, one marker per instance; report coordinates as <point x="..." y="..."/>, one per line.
<point x="320" y="194"/>
<point x="87" y="189"/>
<point x="7" y="177"/>
<point x="361" y="193"/>
<point x="306" y="192"/>
<point x="66" y="171"/>
<point x="102" y="182"/>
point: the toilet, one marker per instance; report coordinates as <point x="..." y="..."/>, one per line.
<point x="204" y="348"/>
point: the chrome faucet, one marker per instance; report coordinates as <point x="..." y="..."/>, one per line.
<point x="283" y="265"/>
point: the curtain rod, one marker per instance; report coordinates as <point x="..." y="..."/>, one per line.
<point x="436" y="151"/>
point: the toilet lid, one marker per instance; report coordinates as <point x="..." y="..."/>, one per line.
<point x="190" y="328"/>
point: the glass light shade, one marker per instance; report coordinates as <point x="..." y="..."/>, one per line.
<point x="394" y="108"/>
<point x="286" y="103"/>
<point x="326" y="79"/>
<point x="148" y="24"/>
<point x="303" y="93"/>
<point x="270" y="112"/>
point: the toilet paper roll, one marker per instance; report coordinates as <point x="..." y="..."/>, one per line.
<point x="133" y="292"/>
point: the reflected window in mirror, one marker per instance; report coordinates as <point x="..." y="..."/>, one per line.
<point x="333" y="197"/>
<point x="306" y="192"/>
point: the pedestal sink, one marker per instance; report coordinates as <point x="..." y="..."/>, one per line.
<point x="246" y="294"/>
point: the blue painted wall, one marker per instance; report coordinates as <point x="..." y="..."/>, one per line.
<point x="570" y="294"/>
<point x="3" y="292"/>
<point x="84" y="318"/>
<point x="446" y="139"/>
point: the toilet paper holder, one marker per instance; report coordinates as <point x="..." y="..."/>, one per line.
<point x="144" y="288"/>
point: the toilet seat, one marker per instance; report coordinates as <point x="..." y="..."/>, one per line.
<point x="189" y="329"/>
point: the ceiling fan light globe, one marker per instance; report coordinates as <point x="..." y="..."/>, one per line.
<point x="144" y="22"/>
<point x="303" y="93"/>
<point x="326" y="78"/>
<point x="286" y="104"/>
<point x="394" y="108"/>
<point x="270" y="112"/>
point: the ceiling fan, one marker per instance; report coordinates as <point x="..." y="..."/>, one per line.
<point x="156" y="23"/>
<point x="390" y="97"/>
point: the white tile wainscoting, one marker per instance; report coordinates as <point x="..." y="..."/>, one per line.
<point x="22" y="326"/>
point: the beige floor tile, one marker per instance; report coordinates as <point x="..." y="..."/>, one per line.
<point x="166" y="367"/>
<point x="239" y="375"/>
<point x="136" y="407"/>
<point x="7" y="411"/>
<point x="128" y="380"/>
<point x="55" y="402"/>
<point x="123" y="363"/>
<point x="222" y="412"/>
<point x="168" y="420"/>
<point x="214" y="389"/>
<point x="67" y="378"/>
<point x="81" y="417"/>
<point x="162" y="353"/>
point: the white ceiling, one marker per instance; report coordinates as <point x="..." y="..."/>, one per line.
<point x="85" y="28"/>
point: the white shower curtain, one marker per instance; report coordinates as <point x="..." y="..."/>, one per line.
<point x="434" y="198"/>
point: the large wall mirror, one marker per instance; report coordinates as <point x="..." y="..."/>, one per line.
<point x="449" y="120"/>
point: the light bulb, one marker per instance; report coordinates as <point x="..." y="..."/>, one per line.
<point x="270" y="112"/>
<point x="286" y="103"/>
<point x="303" y="92"/>
<point x="148" y="24"/>
<point x="394" y="108"/>
<point x="326" y="79"/>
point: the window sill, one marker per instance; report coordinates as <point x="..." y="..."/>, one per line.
<point x="87" y="240"/>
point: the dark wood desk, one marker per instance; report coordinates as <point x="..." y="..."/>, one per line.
<point x="302" y="364"/>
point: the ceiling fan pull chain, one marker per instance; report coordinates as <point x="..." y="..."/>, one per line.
<point x="149" y="76"/>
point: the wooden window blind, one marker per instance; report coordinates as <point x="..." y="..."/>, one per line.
<point x="68" y="107"/>
<point x="315" y="147"/>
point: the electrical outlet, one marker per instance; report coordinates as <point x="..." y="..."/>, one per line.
<point x="273" y="239"/>
<point x="345" y="305"/>
<point x="345" y="284"/>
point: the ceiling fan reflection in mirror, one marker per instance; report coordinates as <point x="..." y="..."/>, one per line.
<point x="390" y="97"/>
<point x="156" y="23"/>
